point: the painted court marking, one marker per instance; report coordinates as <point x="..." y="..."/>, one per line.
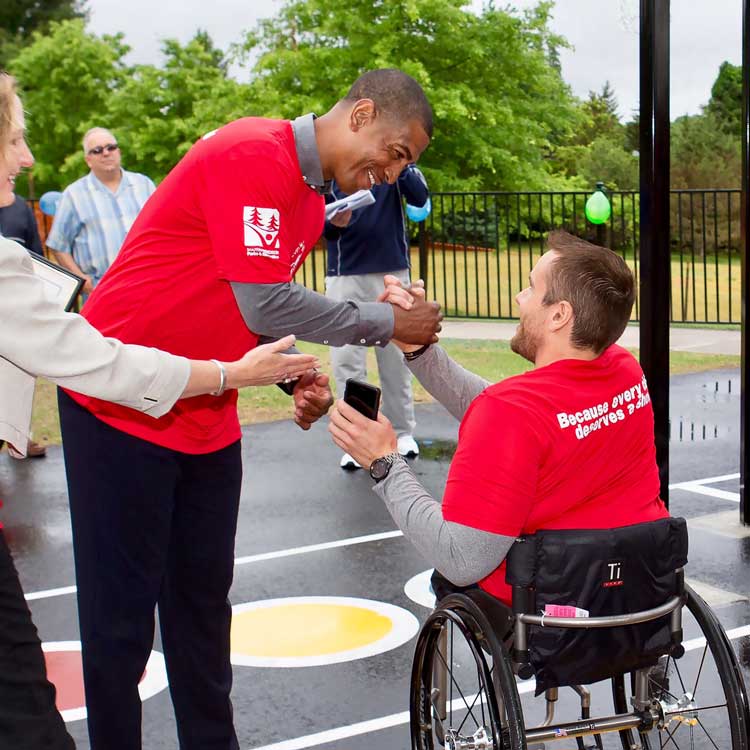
<point x="313" y="631"/>
<point x="699" y="487"/>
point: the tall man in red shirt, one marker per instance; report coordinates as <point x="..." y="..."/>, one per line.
<point x="207" y="267"/>
<point x="567" y="445"/>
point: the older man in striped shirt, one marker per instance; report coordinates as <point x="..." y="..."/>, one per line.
<point x="96" y="212"/>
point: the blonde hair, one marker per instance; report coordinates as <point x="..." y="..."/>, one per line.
<point x="7" y="99"/>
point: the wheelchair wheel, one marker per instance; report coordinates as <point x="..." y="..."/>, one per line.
<point x="463" y="691"/>
<point x="703" y="692"/>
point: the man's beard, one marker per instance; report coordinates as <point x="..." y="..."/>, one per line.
<point x="523" y="343"/>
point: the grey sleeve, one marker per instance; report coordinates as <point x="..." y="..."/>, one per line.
<point x="449" y="383"/>
<point x="275" y="310"/>
<point x="462" y="554"/>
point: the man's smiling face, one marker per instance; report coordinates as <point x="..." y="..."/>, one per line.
<point x="380" y="148"/>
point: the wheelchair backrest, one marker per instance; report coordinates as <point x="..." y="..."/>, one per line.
<point x="605" y="572"/>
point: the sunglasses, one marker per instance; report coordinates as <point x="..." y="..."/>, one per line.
<point x="99" y="150"/>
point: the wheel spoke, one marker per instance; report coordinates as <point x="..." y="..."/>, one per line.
<point x="710" y="738"/>
<point x="700" y="668"/>
<point x="460" y="692"/>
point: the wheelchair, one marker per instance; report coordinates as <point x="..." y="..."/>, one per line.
<point x="475" y="656"/>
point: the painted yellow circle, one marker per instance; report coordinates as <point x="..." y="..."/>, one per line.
<point x="298" y="630"/>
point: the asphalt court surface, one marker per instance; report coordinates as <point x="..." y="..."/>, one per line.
<point x="308" y="529"/>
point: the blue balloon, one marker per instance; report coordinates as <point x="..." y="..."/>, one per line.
<point x="48" y="202"/>
<point x="419" y="213"/>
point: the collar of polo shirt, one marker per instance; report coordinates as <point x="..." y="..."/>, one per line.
<point x="307" y="154"/>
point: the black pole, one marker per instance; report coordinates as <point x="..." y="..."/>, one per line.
<point x="654" y="221"/>
<point x="745" y="250"/>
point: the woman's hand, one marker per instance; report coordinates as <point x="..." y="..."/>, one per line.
<point x="268" y="364"/>
<point x="360" y="437"/>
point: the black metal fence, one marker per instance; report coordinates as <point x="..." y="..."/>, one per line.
<point x="475" y="250"/>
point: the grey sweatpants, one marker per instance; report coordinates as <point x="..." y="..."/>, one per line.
<point x="351" y="361"/>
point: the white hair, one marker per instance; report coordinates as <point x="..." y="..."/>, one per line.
<point x="91" y="132"/>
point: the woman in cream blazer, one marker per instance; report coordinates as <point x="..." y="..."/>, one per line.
<point x="38" y="338"/>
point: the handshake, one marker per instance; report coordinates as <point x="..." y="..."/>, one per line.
<point x="416" y="322"/>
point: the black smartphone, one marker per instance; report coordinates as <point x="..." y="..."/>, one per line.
<point x="365" y="398"/>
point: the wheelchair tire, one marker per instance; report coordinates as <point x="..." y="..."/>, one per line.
<point x="721" y="702"/>
<point x="478" y="674"/>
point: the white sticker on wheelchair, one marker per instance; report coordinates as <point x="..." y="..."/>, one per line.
<point x="310" y="631"/>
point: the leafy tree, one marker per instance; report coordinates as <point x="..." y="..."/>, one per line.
<point x="500" y="106"/>
<point x="19" y="19"/>
<point x="67" y="76"/>
<point x="159" y="113"/>
<point x="703" y="155"/>
<point x="600" y="118"/>
<point x="726" y="98"/>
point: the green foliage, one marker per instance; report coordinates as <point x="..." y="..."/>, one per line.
<point x="703" y="155"/>
<point x="19" y="19"/>
<point x="500" y="106"/>
<point x="67" y="77"/>
<point x="160" y="112"/>
<point x="726" y="98"/>
<point x="599" y="149"/>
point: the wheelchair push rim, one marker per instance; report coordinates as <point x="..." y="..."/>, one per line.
<point x="477" y="696"/>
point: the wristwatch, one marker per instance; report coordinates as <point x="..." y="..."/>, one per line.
<point x="380" y="467"/>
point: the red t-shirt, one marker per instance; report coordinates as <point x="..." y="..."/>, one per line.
<point x="567" y="446"/>
<point x="235" y="208"/>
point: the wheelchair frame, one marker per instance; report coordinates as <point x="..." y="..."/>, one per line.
<point x="502" y="723"/>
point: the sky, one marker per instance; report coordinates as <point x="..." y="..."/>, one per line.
<point x="603" y="34"/>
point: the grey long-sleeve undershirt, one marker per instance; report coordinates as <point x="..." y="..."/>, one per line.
<point x="275" y="310"/>
<point x="464" y="555"/>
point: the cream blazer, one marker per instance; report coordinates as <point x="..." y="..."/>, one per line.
<point x="38" y="338"/>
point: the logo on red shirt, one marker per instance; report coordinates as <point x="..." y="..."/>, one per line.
<point x="261" y="231"/>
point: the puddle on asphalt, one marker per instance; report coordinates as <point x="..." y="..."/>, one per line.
<point x="437" y="450"/>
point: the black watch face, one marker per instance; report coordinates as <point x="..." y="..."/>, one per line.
<point x="379" y="469"/>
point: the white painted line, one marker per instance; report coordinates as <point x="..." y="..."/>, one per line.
<point x="50" y="593"/>
<point x="394" y="720"/>
<point x="698" y="487"/>
<point x="247" y="560"/>
<point x="316" y="547"/>
<point x="708" y="480"/>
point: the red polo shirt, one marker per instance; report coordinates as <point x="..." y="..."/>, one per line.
<point x="235" y="208"/>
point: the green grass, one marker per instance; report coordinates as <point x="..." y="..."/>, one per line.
<point x="492" y="360"/>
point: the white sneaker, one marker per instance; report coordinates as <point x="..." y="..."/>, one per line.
<point x="407" y="446"/>
<point x="348" y="463"/>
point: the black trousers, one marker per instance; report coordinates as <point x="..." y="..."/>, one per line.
<point x="152" y="526"/>
<point x="28" y="717"/>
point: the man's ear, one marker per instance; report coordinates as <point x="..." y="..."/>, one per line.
<point x="362" y="114"/>
<point x="562" y="314"/>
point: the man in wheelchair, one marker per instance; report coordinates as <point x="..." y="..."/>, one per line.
<point x="563" y="456"/>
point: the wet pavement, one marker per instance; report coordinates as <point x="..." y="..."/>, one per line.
<point x="309" y="529"/>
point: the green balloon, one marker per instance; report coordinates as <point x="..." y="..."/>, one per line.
<point x="598" y="208"/>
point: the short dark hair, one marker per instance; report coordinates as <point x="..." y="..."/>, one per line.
<point x="395" y="94"/>
<point x="598" y="285"/>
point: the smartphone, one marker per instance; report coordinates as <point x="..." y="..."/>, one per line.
<point x="365" y="398"/>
